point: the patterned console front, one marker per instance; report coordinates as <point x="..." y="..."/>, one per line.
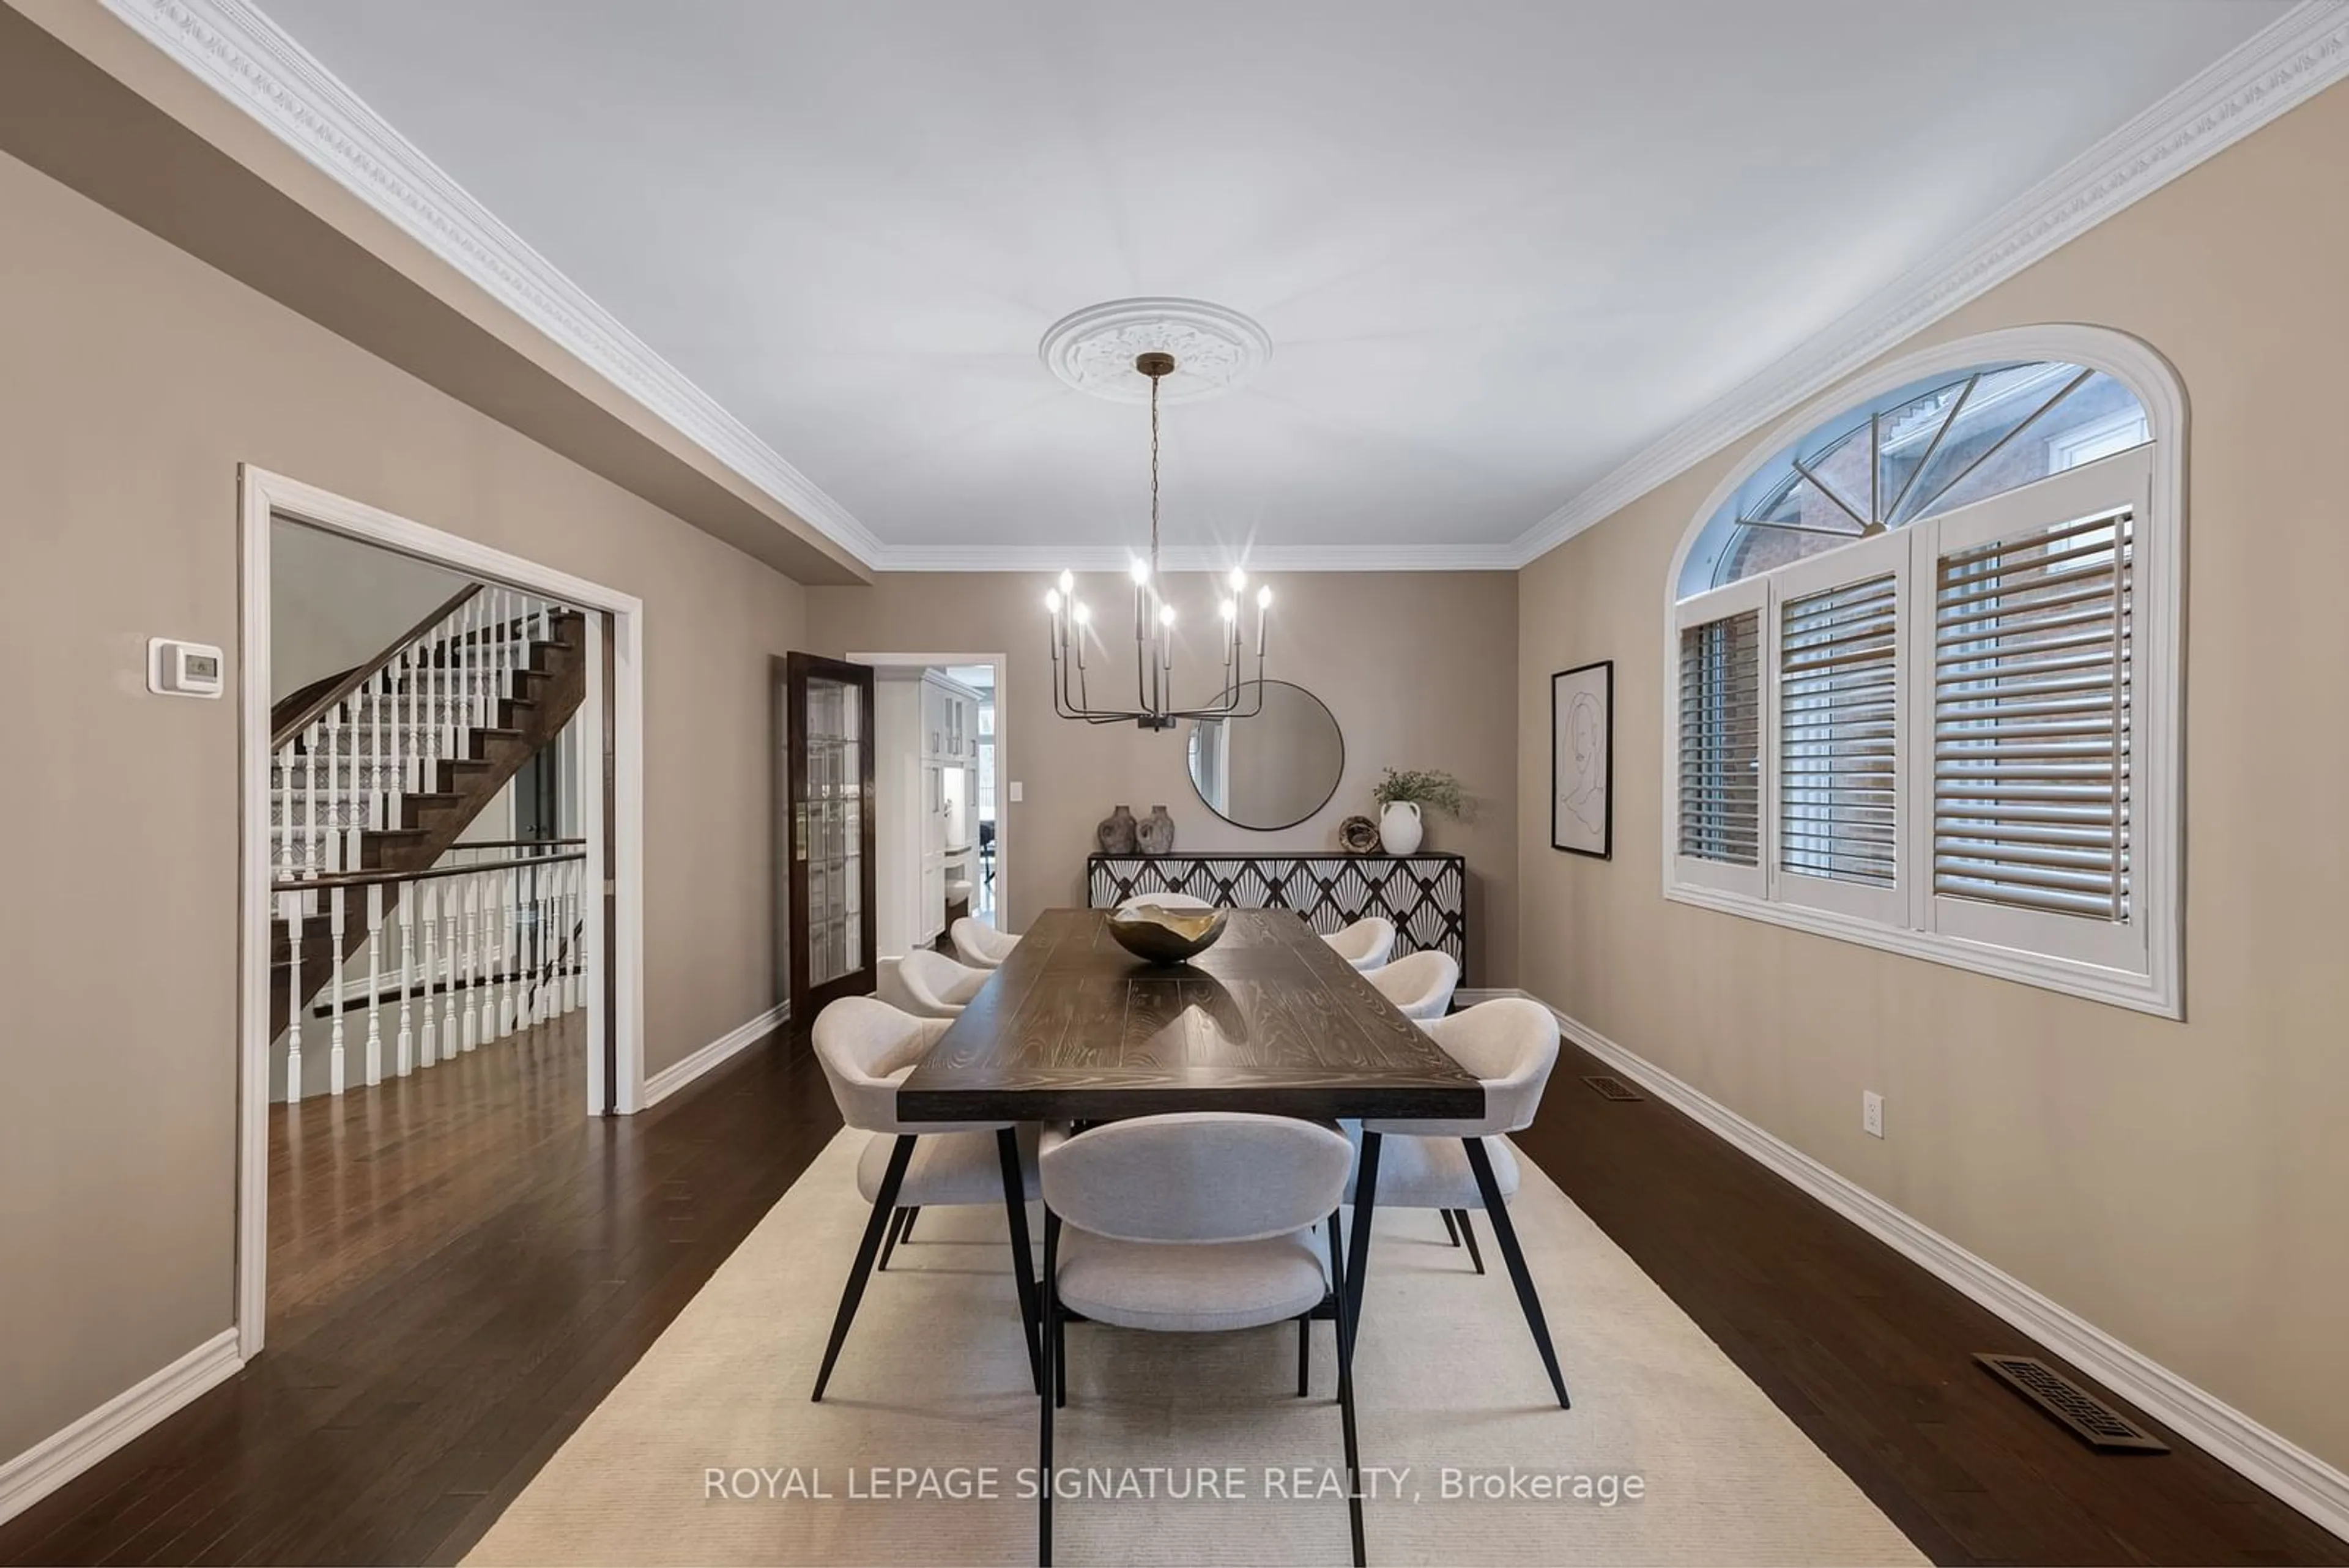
<point x="1426" y="896"/>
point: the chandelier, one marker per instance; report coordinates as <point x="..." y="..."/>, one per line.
<point x="1240" y="696"/>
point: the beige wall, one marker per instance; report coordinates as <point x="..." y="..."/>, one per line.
<point x="1413" y="665"/>
<point x="132" y="382"/>
<point x="335" y="603"/>
<point x="2183" y="1186"/>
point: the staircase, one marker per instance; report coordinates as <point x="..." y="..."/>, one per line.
<point x="375" y="772"/>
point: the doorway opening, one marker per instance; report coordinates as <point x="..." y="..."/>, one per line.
<point x="440" y="863"/>
<point x="943" y="837"/>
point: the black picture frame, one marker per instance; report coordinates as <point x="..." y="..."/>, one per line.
<point x="1566" y="823"/>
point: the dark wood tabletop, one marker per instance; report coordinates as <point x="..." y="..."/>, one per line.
<point x="1269" y="1019"/>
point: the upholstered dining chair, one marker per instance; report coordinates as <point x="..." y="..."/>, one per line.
<point x="1420" y="985"/>
<point x="1460" y="1166"/>
<point x="979" y="945"/>
<point x="1168" y="901"/>
<point x="1366" y="943"/>
<point x="927" y="984"/>
<point x="1194" y="1222"/>
<point x="866" y="1048"/>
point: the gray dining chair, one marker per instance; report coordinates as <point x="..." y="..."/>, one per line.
<point x="1168" y="901"/>
<point x="979" y="945"/>
<point x="866" y="1048"/>
<point x="1460" y="1166"/>
<point x="927" y="984"/>
<point x="1195" y="1222"/>
<point x="1420" y="985"/>
<point x="1366" y="943"/>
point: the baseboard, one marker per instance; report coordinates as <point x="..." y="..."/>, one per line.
<point x="677" y="1074"/>
<point x="54" y="1461"/>
<point x="2268" y="1460"/>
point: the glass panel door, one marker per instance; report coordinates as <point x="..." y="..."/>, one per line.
<point x="830" y="833"/>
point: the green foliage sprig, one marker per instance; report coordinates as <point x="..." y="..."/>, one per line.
<point x="1432" y="788"/>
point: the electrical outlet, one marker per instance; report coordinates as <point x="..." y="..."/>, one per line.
<point x="1871" y="1112"/>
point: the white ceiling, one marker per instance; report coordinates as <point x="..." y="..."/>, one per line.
<point x="1498" y="247"/>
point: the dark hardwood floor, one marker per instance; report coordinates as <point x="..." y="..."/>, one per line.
<point x="1873" y="1358"/>
<point x="463" y="1264"/>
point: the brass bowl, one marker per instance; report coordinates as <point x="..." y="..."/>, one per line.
<point x="1157" y="934"/>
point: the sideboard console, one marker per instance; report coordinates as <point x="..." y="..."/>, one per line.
<point x="1426" y="896"/>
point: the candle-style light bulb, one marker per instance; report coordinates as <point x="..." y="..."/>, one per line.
<point x="1264" y="598"/>
<point x="1140" y="570"/>
<point x="1067" y="583"/>
<point x="1084" y="617"/>
<point x="1167" y="615"/>
<point x="1239" y="579"/>
<point x="1231" y="609"/>
<point x="1052" y="600"/>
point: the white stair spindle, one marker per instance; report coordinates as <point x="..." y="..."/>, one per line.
<point x="365" y="790"/>
<point x="427" y="918"/>
<point x="499" y="914"/>
<point x="336" y="899"/>
<point x="450" y="890"/>
<point x="290" y="906"/>
<point x="313" y="744"/>
<point x="374" y="984"/>
<point x="518" y="936"/>
<point x="403" y="1046"/>
<point x="574" y="932"/>
<point x="471" y="914"/>
<point x="541" y="927"/>
<point x="350" y="802"/>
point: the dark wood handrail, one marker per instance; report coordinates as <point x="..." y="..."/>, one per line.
<point x="508" y="844"/>
<point x="353" y="680"/>
<point x="369" y="878"/>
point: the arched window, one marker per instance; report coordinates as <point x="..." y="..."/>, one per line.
<point x="1925" y="648"/>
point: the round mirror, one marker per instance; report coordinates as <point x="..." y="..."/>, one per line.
<point x="1274" y="768"/>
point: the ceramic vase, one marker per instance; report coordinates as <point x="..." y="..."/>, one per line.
<point x="1157" y="832"/>
<point x="1400" y="827"/>
<point x="1117" y="834"/>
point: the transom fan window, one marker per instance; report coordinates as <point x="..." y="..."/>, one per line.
<point x="1912" y="703"/>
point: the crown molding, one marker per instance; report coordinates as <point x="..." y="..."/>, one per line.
<point x="1048" y="559"/>
<point x="253" y="63"/>
<point x="2297" y="56"/>
<point x="248" y="60"/>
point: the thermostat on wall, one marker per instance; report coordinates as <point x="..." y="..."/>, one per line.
<point x="182" y="668"/>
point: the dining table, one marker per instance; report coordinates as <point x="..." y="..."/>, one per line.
<point x="1268" y="1020"/>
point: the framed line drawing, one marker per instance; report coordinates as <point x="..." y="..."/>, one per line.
<point x="1582" y="760"/>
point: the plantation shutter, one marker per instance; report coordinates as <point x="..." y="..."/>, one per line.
<point x="2033" y="750"/>
<point x="1720" y="726"/>
<point x="1837" y="746"/>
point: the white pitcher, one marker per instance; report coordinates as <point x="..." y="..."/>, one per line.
<point x="1400" y="827"/>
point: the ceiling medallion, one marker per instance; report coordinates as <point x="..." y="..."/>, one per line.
<point x="1215" y="349"/>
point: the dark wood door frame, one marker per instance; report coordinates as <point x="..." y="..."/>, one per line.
<point x="799" y="669"/>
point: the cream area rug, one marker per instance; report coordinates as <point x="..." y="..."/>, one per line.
<point x="1183" y="1449"/>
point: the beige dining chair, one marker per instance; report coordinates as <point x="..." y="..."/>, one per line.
<point x="980" y="945"/>
<point x="1420" y="985"/>
<point x="1366" y="943"/>
<point x="927" y="984"/>
<point x="1194" y="1222"/>
<point x="1458" y="1166"/>
<point x="866" y="1048"/>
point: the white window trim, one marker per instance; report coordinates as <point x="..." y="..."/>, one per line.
<point x="2158" y="771"/>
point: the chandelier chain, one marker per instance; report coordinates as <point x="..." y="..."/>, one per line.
<point x="1153" y="475"/>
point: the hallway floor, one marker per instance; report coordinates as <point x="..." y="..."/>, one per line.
<point x="462" y="1264"/>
